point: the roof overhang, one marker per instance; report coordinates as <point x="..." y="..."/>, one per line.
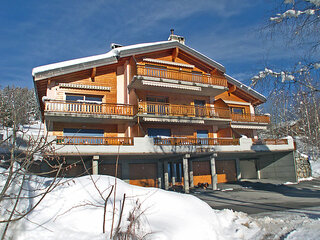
<point x="246" y="88"/>
<point x="112" y="57"/>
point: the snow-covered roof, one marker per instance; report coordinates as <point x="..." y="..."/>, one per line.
<point x="245" y="88"/>
<point x="112" y="57"/>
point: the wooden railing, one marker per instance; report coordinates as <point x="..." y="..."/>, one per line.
<point x="194" y="141"/>
<point x="181" y="75"/>
<point x="250" y="118"/>
<point x="89" y="108"/>
<point x="75" y="140"/>
<point x="183" y="110"/>
<point x="270" y="141"/>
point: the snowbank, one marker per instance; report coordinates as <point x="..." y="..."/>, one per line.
<point x="74" y="209"/>
<point x="315" y="168"/>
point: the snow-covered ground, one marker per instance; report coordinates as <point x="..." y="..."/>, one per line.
<point x="74" y="210"/>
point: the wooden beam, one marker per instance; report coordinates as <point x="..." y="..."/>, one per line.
<point x="93" y="74"/>
<point x="175" y="53"/>
<point x="214" y="72"/>
<point x="232" y="89"/>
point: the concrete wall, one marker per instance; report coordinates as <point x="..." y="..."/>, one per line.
<point x="278" y="166"/>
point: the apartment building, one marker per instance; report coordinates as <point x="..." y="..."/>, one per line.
<point x="171" y="114"/>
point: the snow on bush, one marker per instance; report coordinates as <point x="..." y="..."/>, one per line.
<point x="74" y="210"/>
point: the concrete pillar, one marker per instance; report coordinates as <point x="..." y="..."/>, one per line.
<point x="238" y="169"/>
<point x="191" y="174"/>
<point x="258" y="169"/>
<point x="95" y="165"/>
<point x="173" y="173"/>
<point x="125" y="171"/>
<point x="213" y="172"/>
<point x="160" y="173"/>
<point x="166" y="175"/>
<point x="185" y="173"/>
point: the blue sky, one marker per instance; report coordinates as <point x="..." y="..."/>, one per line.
<point x="35" y="33"/>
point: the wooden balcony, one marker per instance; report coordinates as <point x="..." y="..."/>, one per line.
<point x="181" y="75"/>
<point x="64" y="140"/>
<point x="194" y="141"/>
<point x="168" y="109"/>
<point x="250" y="118"/>
<point x="89" y="108"/>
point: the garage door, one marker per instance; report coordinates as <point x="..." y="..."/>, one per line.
<point x="201" y="172"/>
<point x="143" y="174"/>
<point x="248" y="169"/>
<point x="226" y="171"/>
<point x="109" y="169"/>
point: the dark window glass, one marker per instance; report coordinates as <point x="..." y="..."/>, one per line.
<point x="83" y="132"/>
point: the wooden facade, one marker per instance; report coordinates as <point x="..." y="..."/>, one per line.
<point x="164" y="91"/>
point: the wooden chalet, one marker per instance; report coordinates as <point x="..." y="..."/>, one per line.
<point x="173" y="114"/>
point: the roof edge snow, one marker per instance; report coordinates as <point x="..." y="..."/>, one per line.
<point x="60" y="68"/>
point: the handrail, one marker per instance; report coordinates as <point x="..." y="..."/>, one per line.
<point x="76" y="140"/>
<point x="183" y="110"/>
<point x="92" y="108"/>
<point x="250" y="118"/>
<point x="181" y="75"/>
<point x="194" y="141"/>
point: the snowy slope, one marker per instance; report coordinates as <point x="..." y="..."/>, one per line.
<point x="74" y="210"/>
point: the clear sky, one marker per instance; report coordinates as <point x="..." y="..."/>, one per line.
<point x="34" y="33"/>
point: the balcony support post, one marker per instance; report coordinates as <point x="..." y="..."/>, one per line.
<point x="95" y="165"/>
<point x="238" y="169"/>
<point x="173" y="174"/>
<point x="160" y="171"/>
<point x="166" y="175"/>
<point x="125" y="171"/>
<point x="191" y="174"/>
<point x="213" y="171"/>
<point x="185" y="173"/>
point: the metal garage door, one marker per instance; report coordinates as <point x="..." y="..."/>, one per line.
<point x="143" y="174"/>
<point x="226" y="171"/>
<point x="248" y="169"/>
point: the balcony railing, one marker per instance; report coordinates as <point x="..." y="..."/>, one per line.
<point x="75" y="140"/>
<point x="270" y="141"/>
<point x="89" y="108"/>
<point x="194" y="141"/>
<point x="181" y="75"/>
<point x="250" y="118"/>
<point x="168" y="109"/>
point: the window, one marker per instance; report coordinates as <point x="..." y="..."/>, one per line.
<point x="157" y="108"/>
<point x="200" y="109"/>
<point x="154" y="132"/>
<point x="83" y="136"/>
<point x="237" y="110"/>
<point x="84" y="98"/>
<point x="196" y="76"/>
<point x="156" y="71"/>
